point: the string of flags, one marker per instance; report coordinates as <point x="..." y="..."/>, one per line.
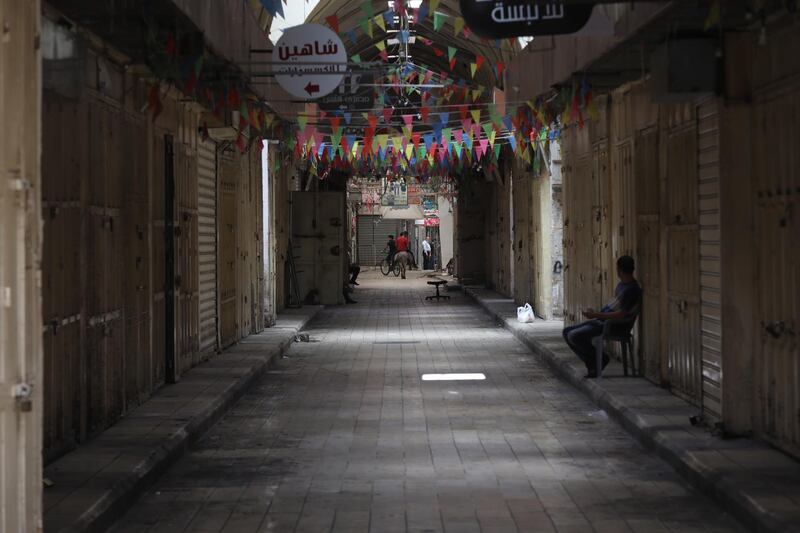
<point x="454" y="140"/>
<point x="171" y="68"/>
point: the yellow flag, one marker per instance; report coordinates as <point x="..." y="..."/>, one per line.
<point x="458" y="25"/>
<point x="380" y="22"/>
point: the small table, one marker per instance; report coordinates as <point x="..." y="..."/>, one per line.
<point x="437" y="284"/>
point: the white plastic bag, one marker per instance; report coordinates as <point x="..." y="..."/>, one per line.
<point x="525" y="313"/>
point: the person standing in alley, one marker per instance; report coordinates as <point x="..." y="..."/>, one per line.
<point x="625" y="305"/>
<point x="402" y="256"/>
<point x="427" y="258"/>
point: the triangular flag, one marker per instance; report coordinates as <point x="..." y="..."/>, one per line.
<point x="476" y="115"/>
<point x="479" y="60"/>
<point x="380" y="22"/>
<point x="712" y="20"/>
<point x="434" y="4"/>
<point x="458" y="25"/>
<point x="473" y="68"/>
<point x="451" y="53"/>
<point x="333" y="22"/>
<point x="356" y="58"/>
<point x="438" y="20"/>
<point x="366" y="24"/>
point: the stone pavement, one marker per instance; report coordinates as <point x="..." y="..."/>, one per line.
<point x="95" y="483"/>
<point x="344" y="436"/>
<point x="757" y="483"/>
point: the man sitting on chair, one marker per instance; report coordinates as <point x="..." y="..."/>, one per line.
<point x="625" y="305"/>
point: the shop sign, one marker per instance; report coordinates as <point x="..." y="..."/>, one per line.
<point x="356" y="91"/>
<point x="432" y="222"/>
<point x="309" y="60"/>
<point x="395" y="194"/>
<point x="514" y="18"/>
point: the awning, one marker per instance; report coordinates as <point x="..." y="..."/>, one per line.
<point x="412" y="212"/>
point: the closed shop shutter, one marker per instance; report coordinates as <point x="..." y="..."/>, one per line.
<point x="372" y="236"/>
<point x="207" y="244"/>
<point x="708" y="219"/>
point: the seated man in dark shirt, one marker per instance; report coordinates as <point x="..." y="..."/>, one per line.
<point x="625" y="305"/>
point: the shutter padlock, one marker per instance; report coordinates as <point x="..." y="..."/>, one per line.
<point x="22" y="393"/>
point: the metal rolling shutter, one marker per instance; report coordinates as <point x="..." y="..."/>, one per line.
<point x="207" y="243"/>
<point x="708" y="217"/>
<point x="371" y="237"/>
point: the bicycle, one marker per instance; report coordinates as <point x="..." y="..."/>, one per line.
<point x="386" y="267"/>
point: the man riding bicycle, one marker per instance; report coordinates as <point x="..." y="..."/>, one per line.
<point x="391" y="247"/>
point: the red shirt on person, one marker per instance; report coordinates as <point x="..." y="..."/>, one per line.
<point x="402" y="244"/>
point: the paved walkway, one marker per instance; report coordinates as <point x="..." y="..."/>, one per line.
<point x="756" y="482"/>
<point x="94" y="484"/>
<point x="344" y="436"/>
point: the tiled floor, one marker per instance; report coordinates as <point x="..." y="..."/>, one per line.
<point x="344" y="436"/>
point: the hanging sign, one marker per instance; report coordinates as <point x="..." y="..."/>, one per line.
<point x="395" y="194"/>
<point x="309" y="60"/>
<point x="356" y="91"/>
<point x="498" y="19"/>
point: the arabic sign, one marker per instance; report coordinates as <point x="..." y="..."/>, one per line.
<point x="512" y="18"/>
<point x="355" y="92"/>
<point x="310" y="60"/>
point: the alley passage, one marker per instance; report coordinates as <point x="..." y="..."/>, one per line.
<point x="344" y="436"/>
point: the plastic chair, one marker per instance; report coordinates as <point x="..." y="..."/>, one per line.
<point x="618" y="330"/>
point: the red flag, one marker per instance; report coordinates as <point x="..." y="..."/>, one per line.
<point x="387" y="114"/>
<point x="154" y="101"/>
<point x="479" y="61"/>
<point x="424" y="112"/>
<point x="333" y="22"/>
<point x="241" y="144"/>
<point x="172" y="47"/>
<point x="233" y="98"/>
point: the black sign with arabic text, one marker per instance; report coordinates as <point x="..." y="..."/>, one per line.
<point x="498" y="19"/>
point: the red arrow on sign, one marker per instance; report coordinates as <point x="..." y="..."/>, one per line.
<point x="311" y="89"/>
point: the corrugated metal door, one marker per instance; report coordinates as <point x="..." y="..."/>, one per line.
<point x="186" y="290"/>
<point x="372" y="234"/>
<point x="683" y="345"/>
<point x="648" y="236"/>
<point x="226" y="252"/>
<point x="708" y="219"/>
<point x="777" y="170"/>
<point x="20" y="248"/>
<point x="207" y="244"/>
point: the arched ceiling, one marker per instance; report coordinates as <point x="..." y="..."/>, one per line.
<point x="350" y="13"/>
